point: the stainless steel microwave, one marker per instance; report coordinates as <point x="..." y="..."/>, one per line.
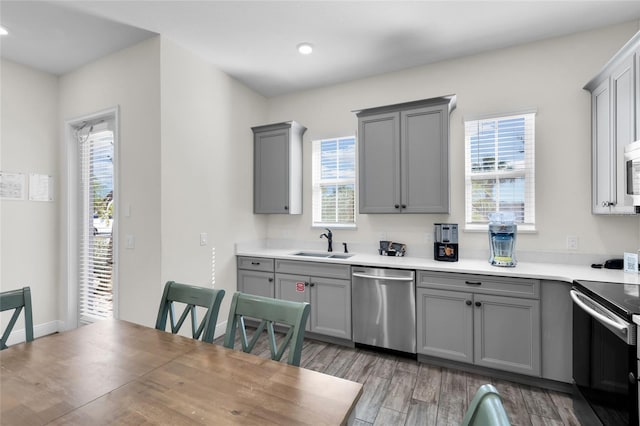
<point x="632" y="161"/>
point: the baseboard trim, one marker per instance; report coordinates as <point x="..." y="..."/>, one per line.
<point x="221" y="329"/>
<point x="40" y="330"/>
<point x="499" y="374"/>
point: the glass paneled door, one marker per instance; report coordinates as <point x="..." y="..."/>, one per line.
<point x="96" y="156"/>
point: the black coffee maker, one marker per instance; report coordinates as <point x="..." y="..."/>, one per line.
<point x="445" y="242"/>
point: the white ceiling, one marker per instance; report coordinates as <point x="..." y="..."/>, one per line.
<point x="255" y="41"/>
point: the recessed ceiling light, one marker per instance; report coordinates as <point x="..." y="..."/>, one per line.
<point x="305" y="48"/>
<point x="3" y="31"/>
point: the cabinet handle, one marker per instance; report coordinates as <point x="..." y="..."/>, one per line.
<point x="255" y="263"/>
<point x="468" y="302"/>
<point x="478" y="304"/>
<point x="306" y="284"/>
<point x="404" y="206"/>
<point x="270" y="280"/>
<point x="397" y="206"/>
<point x="473" y="283"/>
<point x="608" y="204"/>
<point x="313" y="284"/>
<point x="286" y="207"/>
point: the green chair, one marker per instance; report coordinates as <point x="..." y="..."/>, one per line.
<point x="17" y="299"/>
<point x="269" y="311"/>
<point x="486" y="409"/>
<point x="191" y="296"/>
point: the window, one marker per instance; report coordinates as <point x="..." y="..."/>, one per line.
<point x="334" y="182"/>
<point x="499" y="169"/>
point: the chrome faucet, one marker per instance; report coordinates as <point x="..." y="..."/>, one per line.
<point x="329" y="236"/>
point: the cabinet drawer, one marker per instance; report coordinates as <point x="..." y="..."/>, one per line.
<point x="486" y="284"/>
<point x="255" y="263"/>
<point x="313" y="269"/>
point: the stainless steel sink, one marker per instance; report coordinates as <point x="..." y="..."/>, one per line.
<point x="323" y="255"/>
<point x="340" y="256"/>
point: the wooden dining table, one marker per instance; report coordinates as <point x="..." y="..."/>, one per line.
<point x="117" y="372"/>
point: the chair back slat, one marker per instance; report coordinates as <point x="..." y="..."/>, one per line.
<point x="270" y="312"/>
<point x="191" y="296"/>
<point x="486" y="409"/>
<point x="20" y="301"/>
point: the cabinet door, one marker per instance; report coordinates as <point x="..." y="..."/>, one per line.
<point x="288" y="288"/>
<point x="623" y="98"/>
<point x="637" y="93"/>
<point x="445" y="324"/>
<point x="256" y="282"/>
<point x="379" y="163"/>
<point x="331" y="307"/>
<point x="271" y="171"/>
<point x="507" y="334"/>
<point x="601" y="153"/>
<point x="424" y="151"/>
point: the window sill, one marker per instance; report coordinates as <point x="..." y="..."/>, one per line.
<point x="350" y="226"/>
<point x="522" y="229"/>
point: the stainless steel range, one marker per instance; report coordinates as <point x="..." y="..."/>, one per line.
<point x="605" y="352"/>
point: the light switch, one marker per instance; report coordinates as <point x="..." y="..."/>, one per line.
<point x="204" y="239"/>
<point x="130" y="242"/>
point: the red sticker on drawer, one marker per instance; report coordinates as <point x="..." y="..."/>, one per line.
<point x="300" y="286"/>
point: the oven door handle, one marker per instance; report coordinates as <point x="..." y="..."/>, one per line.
<point x="621" y="327"/>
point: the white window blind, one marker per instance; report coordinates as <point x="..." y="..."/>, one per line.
<point x="500" y="169"/>
<point x="96" y="214"/>
<point x="334" y="185"/>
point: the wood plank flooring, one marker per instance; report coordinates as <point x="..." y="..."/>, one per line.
<point x="401" y="391"/>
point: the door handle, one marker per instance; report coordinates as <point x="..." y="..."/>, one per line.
<point x="377" y="277"/>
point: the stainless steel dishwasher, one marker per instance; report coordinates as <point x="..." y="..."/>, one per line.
<point x="384" y="308"/>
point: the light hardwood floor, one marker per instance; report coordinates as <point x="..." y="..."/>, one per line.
<point x="401" y="391"/>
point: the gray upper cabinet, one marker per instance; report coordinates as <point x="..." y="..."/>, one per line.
<point x="277" y="173"/>
<point x="615" y="122"/>
<point x="403" y="155"/>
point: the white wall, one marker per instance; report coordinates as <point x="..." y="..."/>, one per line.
<point x="547" y="75"/>
<point x="129" y="79"/>
<point x="207" y="160"/>
<point x="29" y="231"/>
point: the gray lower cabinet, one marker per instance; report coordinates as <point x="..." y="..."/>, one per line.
<point x="404" y="157"/>
<point x="277" y="174"/>
<point x="557" y="334"/>
<point x="328" y="291"/>
<point x="330" y="301"/>
<point x="255" y="276"/>
<point x="487" y="321"/>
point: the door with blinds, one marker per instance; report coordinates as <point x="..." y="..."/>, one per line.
<point x="96" y="142"/>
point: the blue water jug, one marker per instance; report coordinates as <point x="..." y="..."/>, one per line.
<point x="502" y="239"/>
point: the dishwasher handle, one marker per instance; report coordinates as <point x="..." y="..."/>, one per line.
<point x="378" y="277"/>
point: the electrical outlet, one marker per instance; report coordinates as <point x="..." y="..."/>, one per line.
<point x="204" y="238"/>
<point x="572" y="242"/>
<point x="130" y="242"/>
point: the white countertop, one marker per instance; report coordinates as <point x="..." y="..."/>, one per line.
<point x="543" y="271"/>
